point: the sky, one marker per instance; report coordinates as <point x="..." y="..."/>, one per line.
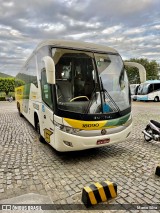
<point x="132" y="27"/>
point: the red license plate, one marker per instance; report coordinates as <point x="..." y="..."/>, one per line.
<point x="107" y="140"/>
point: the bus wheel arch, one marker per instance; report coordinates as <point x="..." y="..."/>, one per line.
<point x="37" y="127"/>
<point x="156" y="99"/>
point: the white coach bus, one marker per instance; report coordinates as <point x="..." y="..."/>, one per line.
<point x="76" y="94"/>
<point x="149" y="91"/>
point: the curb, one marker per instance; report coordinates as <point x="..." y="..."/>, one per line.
<point x="98" y="192"/>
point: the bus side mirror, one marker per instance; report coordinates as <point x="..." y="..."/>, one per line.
<point x="142" y="70"/>
<point x="50" y="69"/>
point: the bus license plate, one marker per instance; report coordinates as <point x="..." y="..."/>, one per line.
<point x="107" y="140"/>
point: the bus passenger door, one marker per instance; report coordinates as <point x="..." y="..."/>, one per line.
<point x="47" y="126"/>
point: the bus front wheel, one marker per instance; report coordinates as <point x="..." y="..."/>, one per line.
<point x="37" y="127"/>
<point x="156" y="99"/>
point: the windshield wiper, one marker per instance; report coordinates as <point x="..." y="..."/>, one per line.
<point x="110" y="100"/>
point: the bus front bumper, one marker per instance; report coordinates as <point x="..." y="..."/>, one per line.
<point x="68" y="142"/>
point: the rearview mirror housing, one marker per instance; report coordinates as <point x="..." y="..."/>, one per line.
<point x="141" y="69"/>
<point x="50" y="69"/>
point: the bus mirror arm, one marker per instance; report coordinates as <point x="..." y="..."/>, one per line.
<point x="50" y="69"/>
<point x="142" y="70"/>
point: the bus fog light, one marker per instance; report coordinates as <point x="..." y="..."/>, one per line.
<point x="68" y="143"/>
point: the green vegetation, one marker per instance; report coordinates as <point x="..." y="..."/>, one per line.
<point x="7" y="86"/>
<point x="151" y="70"/>
<point x="27" y="78"/>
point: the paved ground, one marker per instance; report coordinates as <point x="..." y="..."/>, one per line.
<point x="28" y="166"/>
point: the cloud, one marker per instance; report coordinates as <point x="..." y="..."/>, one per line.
<point x="157" y="27"/>
<point x="131" y="27"/>
<point x="111" y="30"/>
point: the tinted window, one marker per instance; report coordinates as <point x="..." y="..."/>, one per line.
<point x="156" y="86"/>
<point x="150" y="88"/>
<point x="46" y="89"/>
<point x="29" y="74"/>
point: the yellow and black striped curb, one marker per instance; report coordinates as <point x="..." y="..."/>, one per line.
<point x="98" y="192"/>
<point x="158" y="170"/>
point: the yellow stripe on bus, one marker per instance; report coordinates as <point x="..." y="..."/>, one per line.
<point x="91" y="195"/>
<point x="101" y="191"/>
<point x="86" y="125"/>
<point x="111" y="189"/>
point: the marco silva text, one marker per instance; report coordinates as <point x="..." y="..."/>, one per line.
<point x="147" y="207"/>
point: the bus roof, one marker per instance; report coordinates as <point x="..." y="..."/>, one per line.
<point x="77" y="45"/>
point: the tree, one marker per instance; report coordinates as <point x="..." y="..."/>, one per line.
<point x="8" y="84"/>
<point x="150" y="66"/>
<point x="19" y="82"/>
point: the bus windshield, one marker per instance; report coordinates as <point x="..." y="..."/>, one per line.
<point x="89" y="82"/>
<point x="114" y="80"/>
<point x="134" y="89"/>
<point x="143" y="89"/>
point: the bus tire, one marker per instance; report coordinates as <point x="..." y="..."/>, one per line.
<point x="19" y="111"/>
<point x="156" y="99"/>
<point x="37" y="127"/>
<point x="20" y="114"/>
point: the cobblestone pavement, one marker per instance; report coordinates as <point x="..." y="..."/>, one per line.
<point x="28" y="166"/>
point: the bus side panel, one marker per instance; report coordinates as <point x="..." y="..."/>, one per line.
<point x="33" y="104"/>
<point x="26" y="97"/>
<point x="22" y="97"/>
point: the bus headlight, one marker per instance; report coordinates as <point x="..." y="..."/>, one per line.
<point x="67" y="129"/>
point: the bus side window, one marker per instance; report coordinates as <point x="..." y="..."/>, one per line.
<point x="150" y="88"/>
<point x="156" y="87"/>
<point x="46" y="89"/>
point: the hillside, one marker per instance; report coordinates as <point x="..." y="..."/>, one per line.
<point x="3" y="75"/>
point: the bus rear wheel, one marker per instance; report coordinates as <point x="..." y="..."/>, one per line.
<point x="19" y="111"/>
<point x="156" y="99"/>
